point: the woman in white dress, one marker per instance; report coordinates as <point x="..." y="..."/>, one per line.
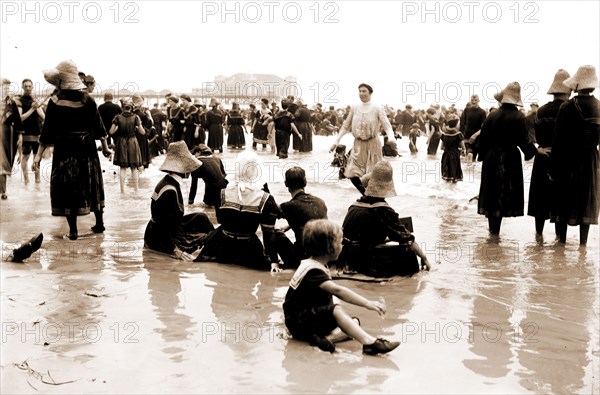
<point x="365" y="121"/>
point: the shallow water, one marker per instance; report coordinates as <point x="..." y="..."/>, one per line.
<point x="495" y="315"/>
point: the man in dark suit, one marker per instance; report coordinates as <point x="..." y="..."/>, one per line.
<point x="302" y="208"/>
<point x="108" y="111"/>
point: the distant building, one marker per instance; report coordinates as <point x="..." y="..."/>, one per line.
<point x="247" y="88"/>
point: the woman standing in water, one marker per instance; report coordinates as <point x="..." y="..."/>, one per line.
<point x="365" y="121"/>
<point x="72" y="125"/>
<point x="504" y="131"/>
<point x="575" y="167"/>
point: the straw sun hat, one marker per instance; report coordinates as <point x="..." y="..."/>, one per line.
<point x="65" y="76"/>
<point x="380" y="182"/>
<point x="585" y="78"/>
<point x="558" y="85"/>
<point x="179" y="159"/>
<point x="510" y="95"/>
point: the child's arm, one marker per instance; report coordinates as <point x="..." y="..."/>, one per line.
<point x="347" y="295"/>
<point x="296" y="132"/>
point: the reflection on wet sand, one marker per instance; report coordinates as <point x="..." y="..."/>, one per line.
<point x="164" y="288"/>
<point x="555" y="333"/>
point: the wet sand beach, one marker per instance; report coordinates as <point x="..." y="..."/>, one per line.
<point x="513" y="314"/>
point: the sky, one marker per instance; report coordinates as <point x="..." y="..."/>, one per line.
<point x="409" y="51"/>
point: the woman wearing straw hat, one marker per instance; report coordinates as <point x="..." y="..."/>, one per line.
<point x="540" y="188"/>
<point x="575" y="167"/>
<point x="12" y="136"/>
<point x="370" y="224"/>
<point x="72" y="125"/>
<point x="169" y="230"/>
<point x="245" y="205"/>
<point x="501" y="192"/>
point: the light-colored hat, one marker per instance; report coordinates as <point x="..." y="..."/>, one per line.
<point x="300" y="102"/>
<point x="137" y="100"/>
<point x="213" y="102"/>
<point x="380" y="182"/>
<point x="510" y="95"/>
<point x="65" y="76"/>
<point x="585" y="78"/>
<point x="558" y="85"/>
<point x="249" y="168"/>
<point x="415" y="126"/>
<point x="179" y="159"/>
<point x="197" y="102"/>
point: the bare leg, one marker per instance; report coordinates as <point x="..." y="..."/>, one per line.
<point x="136" y="178"/>
<point x="122" y="174"/>
<point x="351" y="327"/>
<point x="24" y="161"/>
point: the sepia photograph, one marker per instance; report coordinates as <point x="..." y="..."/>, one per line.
<point x="284" y="197"/>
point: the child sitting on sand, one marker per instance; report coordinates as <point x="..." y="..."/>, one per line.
<point x="310" y="313"/>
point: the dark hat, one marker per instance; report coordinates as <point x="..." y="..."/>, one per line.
<point x="186" y="98"/>
<point x="174" y="99"/>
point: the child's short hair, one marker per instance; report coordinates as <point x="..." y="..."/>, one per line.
<point x="452" y="123"/>
<point x="319" y="237"/>
<point x="295" y="178"/>
<point x="340" y="149"/>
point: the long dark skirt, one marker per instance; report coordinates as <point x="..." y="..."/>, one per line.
<point x="76" y="185"/>
<point x="306" y="130"/>
<point x="236" y="137"/>
<point x="383" y="260"/>
<point x="540" y="189"/>
<point x="501" y="190"/>
<point x="243" y="250"/>
<point x="434" y="143"/>
<point x="190" y="236"/>
<point x="215" y="136"/>
<point x="8" y="150"/>
<point x="451" y="169"/>
<point x="144" y="149"/>
<point x="260" y="133"/>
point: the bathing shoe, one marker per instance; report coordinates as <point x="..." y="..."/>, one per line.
<point x="381" y="346"/>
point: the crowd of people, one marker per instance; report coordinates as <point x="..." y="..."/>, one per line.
<point x="373" y="240"/>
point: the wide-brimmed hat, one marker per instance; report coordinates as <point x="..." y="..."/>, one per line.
<point x="585" y="78"/>
<point x="213" y="102"/>
<point x="65" y="76"/>
<point x="510" y="95"/>
<point x="300" y="102"/>
<point x="558" y="85"/>
<point x="174" y="99"/>
<point x="380" y="182"/>
<point x="197" y="102"/>
<point x="179" y="159"/>
<point x="415" y="126"/>
<point x="137" y="100"/>
<point x="185" y="97"/>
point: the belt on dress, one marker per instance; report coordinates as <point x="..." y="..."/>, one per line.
<point x="240" y="236"/>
